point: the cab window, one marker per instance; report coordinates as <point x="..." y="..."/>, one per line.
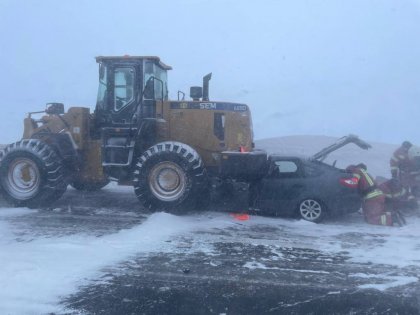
<point x="101" y="101"/>
<point x="159" y="88"/>
<point x="123" y="87"/>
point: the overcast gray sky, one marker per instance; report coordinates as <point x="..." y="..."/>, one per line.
<point x="304" y="67"/>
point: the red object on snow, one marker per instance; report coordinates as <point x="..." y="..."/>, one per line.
<point x="240" y="216"/>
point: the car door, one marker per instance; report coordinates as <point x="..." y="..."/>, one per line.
<point x="283" y="186"/>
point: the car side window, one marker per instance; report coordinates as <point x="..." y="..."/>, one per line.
<point x="285" y="169"/>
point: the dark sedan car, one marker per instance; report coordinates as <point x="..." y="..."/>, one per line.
<point x="307" y="187"/>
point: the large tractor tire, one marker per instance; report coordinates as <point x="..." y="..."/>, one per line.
<point x="169" y="176"/>
<point x="31" y="174"/>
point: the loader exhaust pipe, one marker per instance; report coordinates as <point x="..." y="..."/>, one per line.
<point x="206" y="80"/>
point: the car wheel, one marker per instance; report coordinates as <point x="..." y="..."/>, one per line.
<point x="312" y="210"/>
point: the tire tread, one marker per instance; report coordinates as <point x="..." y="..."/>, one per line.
<point x="55" y="181"/>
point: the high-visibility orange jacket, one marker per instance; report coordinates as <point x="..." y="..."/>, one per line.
<point x="397" y="196"/>
<point x="373" y="204"/>
<point x="400" y="162"/>
<point x="394" y="191"/>
<point x="367" y="186"/>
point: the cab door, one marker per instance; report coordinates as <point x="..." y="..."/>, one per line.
<point x="123" y="98"/>
<point x="118" y="131"/>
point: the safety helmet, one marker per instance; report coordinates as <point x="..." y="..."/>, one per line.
<point x="362" y="166"/>
<point x="407" y="144"/>
<point x="350" y="168"/>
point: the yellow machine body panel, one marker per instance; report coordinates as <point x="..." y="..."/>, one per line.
<point x="208" y="127"/>
<point x="91" y="169"/>
<point x="76" y="123"/>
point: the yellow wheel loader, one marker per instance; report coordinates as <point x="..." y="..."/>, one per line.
<point x="168" y="150"/>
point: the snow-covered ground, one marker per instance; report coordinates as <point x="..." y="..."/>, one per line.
<point x="49" y="255"/>
<point x="37" y="271"/>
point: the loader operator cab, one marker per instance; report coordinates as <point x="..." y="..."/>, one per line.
<point x="129" y="87"/>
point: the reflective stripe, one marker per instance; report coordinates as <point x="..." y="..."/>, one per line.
<point x="394" y="167"/>
<point x="368" y="178"/>
<point x="401" y="157"/>
<point x="373" y="194"/>
<point x="394" y="159"/>
<point x="401" y="193"/>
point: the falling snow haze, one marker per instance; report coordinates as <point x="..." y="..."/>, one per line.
<point x="305" y="67"/>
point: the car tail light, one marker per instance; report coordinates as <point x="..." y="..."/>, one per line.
<point x="349" y="182"/>
<point x="243" y="149"/>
